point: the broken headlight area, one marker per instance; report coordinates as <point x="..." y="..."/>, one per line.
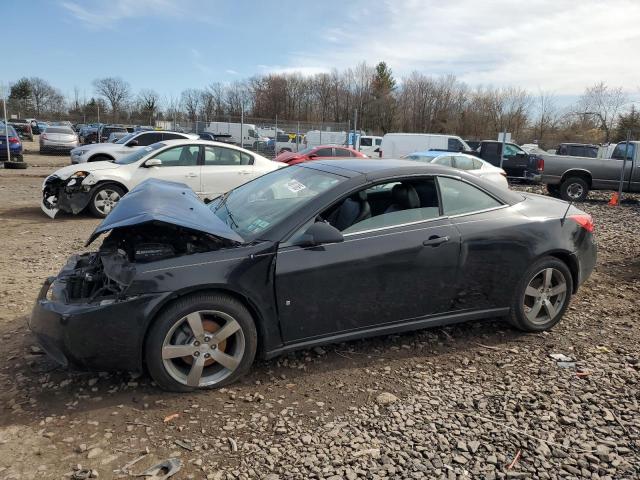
<point x="105" y="275"/>
<point x="69" y="195"/>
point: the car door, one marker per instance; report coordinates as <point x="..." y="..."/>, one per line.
<point x="491" y="258"/>
<point x="321" y="154"/>
<point x="178" y="164"/>
<point x="391" y="268"/>
<point x="224" y="169"/>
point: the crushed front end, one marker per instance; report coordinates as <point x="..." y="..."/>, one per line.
<point x="93" y="314"/>
<point x="71" y="195"/>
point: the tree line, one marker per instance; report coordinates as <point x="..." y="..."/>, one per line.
<point x="415" y="103"/>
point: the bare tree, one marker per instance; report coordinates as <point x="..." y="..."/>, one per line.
<point x="191" y="98"/>
<point x="605" y="103"/>
<point x="149" y="103"/>
<point x="116" y="90"/>
<point x="546" y="114"/>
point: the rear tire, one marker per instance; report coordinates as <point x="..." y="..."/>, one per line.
<point x="574" y="189"/>
<point x="553" y="190"/>
<point x="15" y="165"/>
<point x="174" y="349"/>
<point x="542" y="295"/>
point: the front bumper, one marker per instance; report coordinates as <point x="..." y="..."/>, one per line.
<point x="58" y="194"/>
<point x="93" y="336"/>
<point x="59" y="147"/>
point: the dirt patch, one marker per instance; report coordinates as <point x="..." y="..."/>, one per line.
<point x="314" y="412"/>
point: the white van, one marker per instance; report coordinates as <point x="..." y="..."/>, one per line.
<point x="397" y="145"/>
<point x="248" y="138"/>
<point x="315" y="138"/>
<point x="367" y="144"/>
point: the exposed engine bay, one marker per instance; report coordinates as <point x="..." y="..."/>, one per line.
<point x="109" y="271"/>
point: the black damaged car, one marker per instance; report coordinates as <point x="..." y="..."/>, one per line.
<point x="320" y="252"/>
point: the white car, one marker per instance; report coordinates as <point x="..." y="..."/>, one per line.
<point x="462" y="161"/>
<point x="208" y="168"/>
<point x="99" y="152"/>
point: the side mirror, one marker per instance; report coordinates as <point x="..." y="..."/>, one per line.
<point x="132" y="143"/>
<point x="377" y="150"/>
<point x="320" y="233"/>
<point x="313" y="155"/>
<point x="153" y="162"/>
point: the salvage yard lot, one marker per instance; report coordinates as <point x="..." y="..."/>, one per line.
<point x="478" y="400"/>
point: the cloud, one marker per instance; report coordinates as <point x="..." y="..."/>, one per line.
<point x="196" y="60"/>
<point x="231" y="72"/>
<point x="559" y="45"/>
<point x="305" y="70"/>
<point x="101" y="15"/>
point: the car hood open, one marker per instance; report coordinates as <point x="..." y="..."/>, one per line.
<point x="168" y="202"/>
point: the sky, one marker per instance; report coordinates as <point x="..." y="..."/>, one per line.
<point x="558" y="46"/>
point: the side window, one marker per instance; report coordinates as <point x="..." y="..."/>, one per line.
<point x="378" y="142"/>
<point x="343" y="152"/>
<point x="324" y="152"/>
<point x="386" y="205"/>
<point x="172" y="136"/>
<point x="183" y="156"/>
<point x="146" y="139"/>
<point x="459" y="197"/>
<point x="366" y="141"/>
<point x="444" y="161"/>
<point x="226" y="156"/>
<point x="618" y="153"/>
<point x="463" y="163"/>
<point x="477" y="164"/>
<point x="454" y="144"/>
<point x="510" y="150"/>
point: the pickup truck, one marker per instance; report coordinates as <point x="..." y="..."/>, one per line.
<point x="516" y="160"/>
<point x="571" y="178"/>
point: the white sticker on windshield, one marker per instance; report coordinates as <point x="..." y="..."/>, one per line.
<point x="148" y="149"/>
<point x="294" y="186"/>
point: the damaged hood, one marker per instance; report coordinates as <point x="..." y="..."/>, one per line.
<point x="169" y="202"/>
<point x="66" y="172"/>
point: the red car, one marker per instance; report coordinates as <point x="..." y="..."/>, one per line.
<point x="322" y="152"/>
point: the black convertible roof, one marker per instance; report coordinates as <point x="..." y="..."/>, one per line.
<point x="375" y="170"/>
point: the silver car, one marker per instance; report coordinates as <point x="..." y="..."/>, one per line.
<point x="58" y="138"/>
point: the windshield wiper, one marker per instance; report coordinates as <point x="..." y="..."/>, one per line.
<point x="223" y="203"/>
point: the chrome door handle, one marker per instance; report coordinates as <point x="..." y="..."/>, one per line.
<point x="245" y="172"/>
<point x="191" y="174"/>
<point x="434" y="241"/>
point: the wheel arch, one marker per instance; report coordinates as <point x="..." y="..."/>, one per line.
<point x="255" y="312"/>
<point x="577" y="172"/>
<point x="92" y="157"/>
<point x="102" y="183"/>
<point x="570" y="260"/>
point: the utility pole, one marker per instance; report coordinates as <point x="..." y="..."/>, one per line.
<point x="242" y="123"/>
<point x="355" y="127"/>
<point x="6" y="127"/>
<point x="624" y="165"/>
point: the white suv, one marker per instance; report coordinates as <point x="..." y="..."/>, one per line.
<point x="98" y="152"/>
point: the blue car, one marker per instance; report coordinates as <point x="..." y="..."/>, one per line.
<point x="14" y="157"/>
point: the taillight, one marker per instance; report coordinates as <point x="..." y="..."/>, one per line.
<point x="540" y="164"/>
<point x="14" y="140"/>
<point x="584" y="220"/>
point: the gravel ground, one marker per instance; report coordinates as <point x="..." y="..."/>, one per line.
<point x="477" y="400"/>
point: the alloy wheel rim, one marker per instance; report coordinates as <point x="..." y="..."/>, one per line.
<point x="545" y="296"/>
<point x="203" y="348"/>
<point x="575" y="190"/>
<point x="105" y="200"/>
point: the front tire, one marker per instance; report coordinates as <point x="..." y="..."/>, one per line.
<point x="201" y="341"/>
<point x="542" y="296"/>
<point x="104" y="199"/>
<point x="574" y="189"/>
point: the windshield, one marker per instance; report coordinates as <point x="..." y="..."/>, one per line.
<point x="256" y="206"/>
<point x="126" y="138"/>
<point x="3" y="131"/>
<point x="306" y="150"/>
<point x="139" y="154"/>
<point x="421" y="157"/>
